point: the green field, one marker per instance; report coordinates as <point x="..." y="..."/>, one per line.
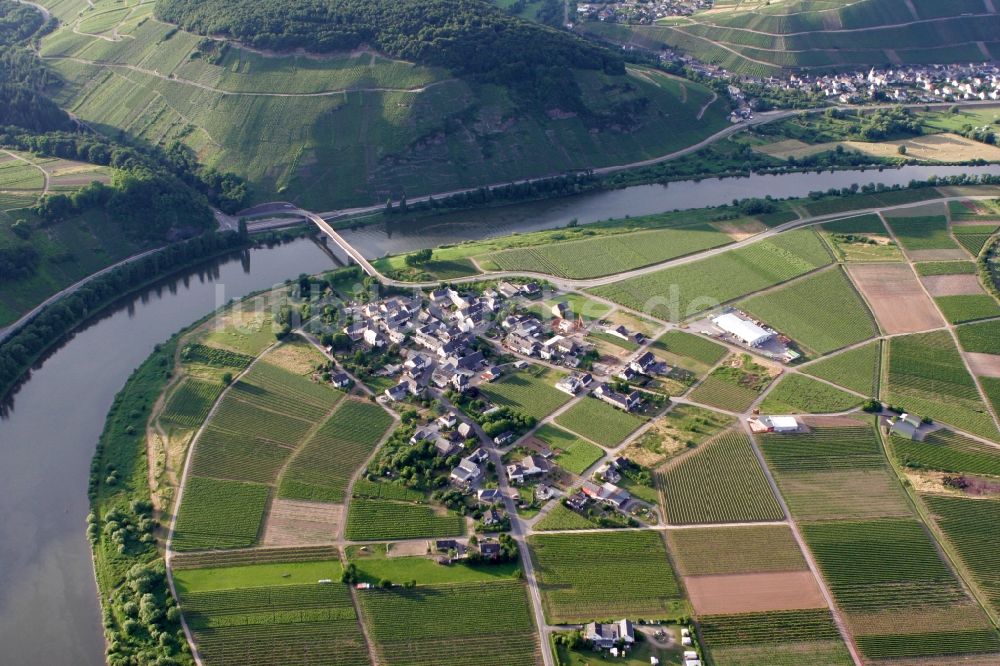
<point x="607" y="255"/>
<point x="834" y="473"/>
<point x="962" y="309"/>
<point x="681" y="346"/>
<point x="733" y="387"/>
<point x="561" y="518"/>
<point x="982" y="338"/>
<point x="322" y="468"/>
<point x="923" y="233"/>
<point x="859" y="224"/>
<point x="575" y="572"/>
<point x="600" y="422"/>
<point x="798" y="394"/>
<point x="947" y="451"/>
<point x="841" y="204"/>
<point x="822" y="312"/>
<point x="927" y="377"/>
<point x="531" y="392"/>
<point x="973" y="237"/>
<point x="219" y="514"/>
<point x="721" y="482"/>
<point x="973" y="210"/>
<point x="683" y="291"/>
<point x="572" y="453"/>
<point x="779" y="638"/>
<point x="970" y="526"/>
<point x="373" y="565"/>
<point x="256" y="575"/>
<point x="945" y="268"/>
<point x="452" y="625"/>
<point x="189" y="404"/>
<point x="856" y="369"/>
<point x="734" y="550"/>
<point x="376" y="519"/>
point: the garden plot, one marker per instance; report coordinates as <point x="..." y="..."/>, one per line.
<point x="896" y="298"/>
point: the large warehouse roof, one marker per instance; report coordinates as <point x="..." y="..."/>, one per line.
<point x="745" y="330"/>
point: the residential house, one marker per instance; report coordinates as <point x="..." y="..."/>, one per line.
<point x="449" y="420"/>
<point x="628" y="402"/>
<point x="607" y="635"/>
<point x="398" y="392"/>
<point x="467" y="472"/>
<point x="340" y="380"/>
<point x="607" y="493"/>
<point x="489" y="495"/>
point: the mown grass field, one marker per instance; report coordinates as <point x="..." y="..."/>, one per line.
<point x="798" y="394"/>
<point x="452" y="625"/>
<point x="575" y="571"/>
<point x="684" y="291"/>
<point x="927" y="377"/>
<point x="834" y="473"/>
<point x="530" y="391"/>
<point x="599" y="421"/>
<point x="733" y="550"/>
<point x="856" y="369"/>
<point x="572" y="453"/>
<point x="822" y="312"/>
<point x="722" y="482"/>
<point x="780" y="638"/>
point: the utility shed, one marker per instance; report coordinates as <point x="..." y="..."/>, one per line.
<point x="743" y="329"/>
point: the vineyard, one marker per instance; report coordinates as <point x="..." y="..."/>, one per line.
<point x="721" y="482"/>
<point x="599" y="422"/>
<point x="701" y="285"/>
<point x="213" y="356"/>
<point x="859" y="224"/>
<point x="733" y="388"/>
<point x="983" y="337"/>
<point x="732" y="550"/>
<point x="947" y="452"/>
<point x="931" y="268"/>
<point x="777" y="638"/>
<point x="238" y="558"/>
<point x="576" y="573"/>
<point x="856" y="369"/>
<point x="561" y="518"/>
<point x="286" y="624"/>
<point x="923" y="233"/>
<point x="970" y="525"/>
<point x="189" y="404"/>
<point x="966" y="308"/>
<point x="973" y="237"/>
<point x="927" y="377"/>
<point x="900" y="597"/>
<point x="797" y="394"/>
<point x="385" y="490"/>
<point x="973" y="210"/>
<point x="572" y="453"/>
<point x="690" y="346"/>
<point x="877" y="200"/>
<point x="322" y="468"/>
<point x="531" y="393"/>
<point x="219" y="514"/>
<point x="823" y="312"/>
<point x="489" y="624"/>
<point x="377" y="519"/>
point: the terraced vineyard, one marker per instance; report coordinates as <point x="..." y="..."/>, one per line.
<point x="599" y="421"/>
<point x="721" y="482"/>
<point x="823" y="312"/>
<point x="701" y="285"/>
<point x="856" y="369"/>
<point x="779" y="638"/>
<point x="575" y="571"/>
<point x="901" y="599"/>
<point x="452" y="625"/>
<point x="377" y="519"/>
<point x="607" y="255"/>
<point x="927" y="377"/>
<point x="324" y="465"/>
<point x="970" y="526"/>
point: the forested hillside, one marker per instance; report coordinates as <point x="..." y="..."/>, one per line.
<point x="471" y="38"/>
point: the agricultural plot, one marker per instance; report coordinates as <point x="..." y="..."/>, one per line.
<point x="733" y="387"/>
<point x="822" y="312"/>
<point x="968" y="307"/>
<point x="531" y="392"/>
<point x="780" y="638"/>
<point x="230" y="559"/>
<point x="720" y="483"/>
<point x="377" y="519"/>
<point x="973" y="237"/>
<point x="856" y="369"/>
<point x="575" y="572"/>
<point x="928" y="232"/>
<point x="982" y="338"/>
<point x="932" y="268"/>
<point x="572" y="453"/>
<point x="896" y="297"/>
<point x="452" y="625"/>
<point x="287" y="624"/>
<point x="215" y="357"/>
<point x="900" y="597"/>
<point x="947" y="451"/>
<point x="219" y="514"/>
<point x="681" y="345"/>
<point x="927" y="377"/>
<point x="607" y="255"/>
<point x="973" y="210"/>
<point x="866" y="201"/>
<point x="324" y="465"/>
<point x="684" y="426"/>
<point x="798" y="394"/>
<point x="561" y="518"/>
<point x="970" y="527"/>
<point x="681" y="292"/>
<point x="386" y="490"/>
<point x="834" y="473"/>
<point x="599" y="421"/>
<point x="859" y="224"/>
<point x="251" y="574"/>
<point x="734" y="550"/>
<point x="189" y="404"/>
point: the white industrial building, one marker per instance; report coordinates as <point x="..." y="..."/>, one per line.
<point x="743" y="329"/>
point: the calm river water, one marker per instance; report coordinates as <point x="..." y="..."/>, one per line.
<point x="49" y="613"/>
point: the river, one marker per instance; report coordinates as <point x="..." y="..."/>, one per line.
<point x="375" y="241"/>
<point x="49" y="612"/>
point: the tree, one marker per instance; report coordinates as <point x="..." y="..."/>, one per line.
<point x="385" y="583"/>
<point x="901" y="150"/>
<point x="419" y="257"/>
<point x="227" y="378"/>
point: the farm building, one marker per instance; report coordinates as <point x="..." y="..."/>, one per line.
<point x="906" y="425"/>
<point x="606" y="635"/>
<point x="743" y="329"/>
<point x="774" y="424"/>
